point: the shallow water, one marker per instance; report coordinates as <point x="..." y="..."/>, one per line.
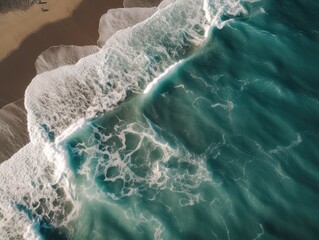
<point x="224" y="146"/>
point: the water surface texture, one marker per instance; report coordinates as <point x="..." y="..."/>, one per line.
<point x="224" y="145"/>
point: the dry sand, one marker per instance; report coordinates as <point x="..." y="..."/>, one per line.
<point x="17" y="70"/>
<point x="15" y="26"/>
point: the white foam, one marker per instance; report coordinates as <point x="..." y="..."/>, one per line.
<point x="214" y="9"/>
<point x="293" y="144"/>
<point x="58" y="56"/>
<point x="60" y="101"/>
<point x="27" y="180"/>
<point x="229" y="106"/>
<point x="157" y="172"/>
<point x="128" y="61"/>
<point x="151" y="85"/>
<point x="165" y="3"/>
<point x="121" y="18"/>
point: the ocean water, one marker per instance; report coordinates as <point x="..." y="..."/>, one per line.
<point x="202" y="123"/>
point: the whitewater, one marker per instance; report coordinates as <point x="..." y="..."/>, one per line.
<point x="196" y="119"/>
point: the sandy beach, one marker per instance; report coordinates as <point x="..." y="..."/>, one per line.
<point x="13" y="129"/>
<point x="15" y="26"/>
<point x="25" y="34"/>
<point x="46" y="36"/>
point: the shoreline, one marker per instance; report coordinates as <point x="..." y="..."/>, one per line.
<point x="26" y="22"/>
<point x="81" y="28"/>
<point x="21" y="66"/>
<point x="18" y="68"/>
<point x="13" y="129"/>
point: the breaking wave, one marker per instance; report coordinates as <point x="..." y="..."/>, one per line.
<point x="141" y="137"/>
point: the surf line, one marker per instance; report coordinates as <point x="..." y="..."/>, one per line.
<point x="212" y="21"/>
<point x="153" y="83"/>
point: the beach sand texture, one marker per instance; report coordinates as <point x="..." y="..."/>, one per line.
<point x="141" y="3"/>
<point x="17" y="69"/>
<point x="15" y="26"/>
<point x="13" y="129"/>
<point x="42" y="51"/>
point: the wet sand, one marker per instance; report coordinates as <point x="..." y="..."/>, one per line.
<point x="17" y="70"/>
<point x="16" y="25"/>
<point x="13" y="129"/>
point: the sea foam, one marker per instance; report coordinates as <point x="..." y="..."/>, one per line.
<point x="64" y="96"/>
<point x="128" y="61"/>
<point x="121" y="18"/>
<point x="30" y="193"/>
<point x="58" y="56"/>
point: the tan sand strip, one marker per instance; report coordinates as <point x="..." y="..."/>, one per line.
<point x="17" y="70"/>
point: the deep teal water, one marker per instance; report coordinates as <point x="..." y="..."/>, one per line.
<point x="224" y="147"/>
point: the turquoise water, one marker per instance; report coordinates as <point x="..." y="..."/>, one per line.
<point x="225" y="146"/>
